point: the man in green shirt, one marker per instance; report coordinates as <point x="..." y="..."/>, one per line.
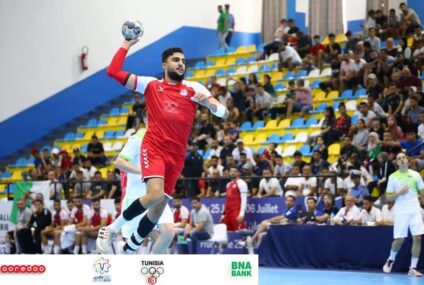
<point x="222" y="28"/>
<point x="403" y="187"/>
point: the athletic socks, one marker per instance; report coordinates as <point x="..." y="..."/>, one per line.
<point x="128" y="214"/>
<point x="414" y="261"/>
<point x="392" y="256"/>
<point x="84" y="249"/>
<point x="144" y="228"/>
<point x="76" y="249"/>
<point x="56" y="249"/>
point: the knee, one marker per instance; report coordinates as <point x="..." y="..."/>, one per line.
<point x="168" y="232"/>
<point x="156" y="196"/>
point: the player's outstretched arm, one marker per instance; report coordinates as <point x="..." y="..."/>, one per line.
<point x="115" y="68"/>
<point x="212" y="104"/>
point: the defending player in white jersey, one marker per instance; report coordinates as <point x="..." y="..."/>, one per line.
<point x="129" y="161"/>
<point x="403" y="187"/>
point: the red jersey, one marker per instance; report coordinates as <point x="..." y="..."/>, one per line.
<point x="171" y="112"/>
<point x="96" y="217"/>
<point x="233" y="201"/>
<point x="316" y="48"/>
<point x="180" y="214"/>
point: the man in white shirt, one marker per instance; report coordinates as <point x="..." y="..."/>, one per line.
<point x="215" y="165"/>
<point x="242" y="149"/>
<point x="374" y="40"/>
<point x="348" y="214"/>
<point x="262" y="102"/>
<point x="421" y="127"/>
<point x="308" y="184"/>
<point x="404" y="186"/>
<point x="370" y="215"/>
<point x="292" y="187"/>
<point x="388" y="214"/>
<point x="330" y="184"/>
<point x="89" y="168"/>
<point x="269" y="186"/>
<point x="365" y="113"/>
<point x="288" y="56"/>
<point x="280" y="168"/>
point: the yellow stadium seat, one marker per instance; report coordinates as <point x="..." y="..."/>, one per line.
<point x="209" y="73"/>
<point x="260" y="138"/>
<point x="104" y="171"/>
<point x="220" y="62"/>
<point x="332" y="95"/>
<point x="326" y="41"/>
<point x="16" y="175"/>
<point x="199" y="73"/>
<point x="284" y="123"/>
<point x="248" y="139"/>
<point x="240" y="49"/>
<point x="271" y="124"/>
<point x="230" y="61"/>
<point x="320" y="96"/>
<point x="99" y="134"/>
<point x="277" y="76"/>
<point x="341" y="38"/>
<point x="251" y="48"/>
<point x="121" y="121"/>
<point x="88" y="135"/>
<point x="111" y="121"/>
<point x="334" y="149"/>
<point x="410" y="41"/>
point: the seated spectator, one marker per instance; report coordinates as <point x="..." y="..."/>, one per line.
<point x="60" y="217"/>
<point x="222" y="95"/>
<point x="268" y="186"/>
<point x="227" y="149"/>
<point x="65" y="160"/>
<point x="262" y="103"/>
<point x="23" y="217"/>
<point x="359" y="190"/>
<point x="237" y="94"/>
<point x="289" y="217"/>
<point x="391" y="49"/>
<point x="421" y="127"/>
<point x="330" y="210"/>
<point x="365" y="114"/>
<point x="317" y="162"/>
<point x="320" y="145"/>
<point x="303" y="100"/>
<point x="242" y="149"/>
<point x="387" y="214"/>
<point x="333" y="49"/>
<point x="376" y="108"/>
<point x="370" y="23"/>
<point x="181" y="215"/>
<point x="312" y="215"/>
<point x="385" y="169"/>
<point x="278" y="37"/>
<point x="393" y="128"/>
<point x="113" y="186"/>
<point x="308" y="183"/>
<point x="343" y="122"/>
<point x="200" y="226"/>
<point x="135" y="116"/>
<point x="413" y="112"/>
<point x="95" y="151"/>
<point x="252" y="79"/>
<point x="415" y="149"/>
<point x="304" y="43"/>
<point x="370" y="215"/>
<point x="293" y="185"/>
<point x="374" y="146"/>
<point x="81" y="185"/>
<point x="393" y="22"/>
<point x="250" y="178"/>
<point x="206" y="133"/>
<point x="374" y="87"/>
<point x="393" y="100"/>
<point x="409" y="20"/>
<point x="29" y="237"/>
<point x="281" y="168"/>
<point x="269" y="88"/>
<point x="330" y="184"/>
<point x="261" y="163"/>
<point x="78" y="158"/>
<point x="360" y="136"/>
<point x="97" y="219"/>
<point x="298" y="161"/>
<point x="234" y="113"/>
<point x="293" y="29"/>
<point x="374" y="41"/>
<point x="349" y="213"/>
<point x="289" y="58"/>
<point x="56" y="189"/>
<point x="355" y="76"/>
<point x="213" y="84"/>
<point x="317" y="51"/>
<point x="328" y="123"/>
<point x="408" y="80"/>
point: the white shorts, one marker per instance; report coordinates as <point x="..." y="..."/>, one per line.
<point x="409" y="219"/>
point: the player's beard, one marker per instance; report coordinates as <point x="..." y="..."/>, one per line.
<point x="175" y="76"/>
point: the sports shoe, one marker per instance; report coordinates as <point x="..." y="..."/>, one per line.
<point x="414" y="273"/>
<point x="105" y="240"/>
<point x="387" y="268"/>
<point x="120" y="247"/>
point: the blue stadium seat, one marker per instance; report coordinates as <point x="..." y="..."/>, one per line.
<point x="273" y="67"/>
<point x="258" y="124"/>
<point x="305" y="150"/>
<point x="220" y="73"/>
<point x="422" y="76"/>
<point x="264" y="68"/>
<point x="210" y="64"/>
<point x="109" y="135"/>
<point x="69" y="137"/>
<point x="246" y="126"/>
<point x="79" y="135"/>
<point x="92" y="123"/>
<point x="84" y="148"/>
<point x="120" y="133"/>
<point x="6" y="175"/>
<point x="315" y="84"/>
<point x="301" y="74"/>
<point x="279" y="87"/>
<point x="261" y="150"/>
<point x="336" y="105"/>
<point x="199" y="65"/>
<point x="218" y="52"/>
<point x="230" y="71"/>
<point x="200" y="152"/>
<point x="297" y="123"/>
<point x="274" y="138"/>
<point x="354" y="119"/>
<point x="49" y="148"/>
<point x="231" y="50"/>
<point x="114" y="112"/>
<point x="346" y="94"/>
<point x="360" y="92"/>
<point x="287" y="137"/>
<point x="207" y="154"/>
<point x="101" y="122"/>
<point x="319" y="109"/>
<point x="310" y="122"/>
<point x="189" y="73"/>
<point x="124" y="110"/>
<point x="289" y="75"/>
<point x="21" y="162"/>
<point x="251" y="59"/>
<point x="260" y="47"/>
<point x="240" y="61"/>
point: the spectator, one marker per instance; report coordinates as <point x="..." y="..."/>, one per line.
<point x="330" y="210"/>
<point x="330" y="184"/>
<point x="393" y="100"/>
<point x="268" y="87"/>
<point x="97" y="219"/>
<point x="408" y="80"/>
<point x="222" y="95"/>
<point x="345" y="70"/>
<point x="235" y="202"/>
<point x="65" y="160"/>
<point x="317" y="162"/>
<point x="289" y="58"/>
<point x="304" y="43"/>
<point x="231" y="24"/>
<point x="333" y="49"/>
<point x="136" y="116"/>
<point x="89" y="168"/>
<point x="370" y="23"/>
<point x="392" y="25"/>
<point x="309" y="184"/>
<point x="317" y="51"/>
<point x="385" y="169"/>
<point x="358" y="191"/>
<point x="270" y="48"/>
<point x="280" y="168"/>
<point x="215" y="148"/>
<point x="349" y="213"/>
<point x="242" y="149"/>
<point x="181" y="215"/>
<point x="393" y="128"/>
<point x="320" y="145"/>
<point x="262" y="102"/>
<point x="365" y="114"/>
<point x="250" y="178"/>
<point x="343" y="122"/>
<point x="260" y="164"/>
<point x="193" y="167"/>
<point x="222" y="29"/>
<point x="327" y="126"/>
<point x="377" y="128"/>
<point x="298" y="161"/>
<point x="215" y="165"/>
<point x="312" y="215"/>
<point x="213" y="84"/>
<point x="234" y="113"/>
<point x="113" y="186"/>
<point x="293" y="29"/>
<point x="413" y="112"/>
<point x="347" y="149"/>
<point x="227" y="149"/>
<point x="293" y="184"/>
<point x="206" y="133"/>
<point x="421" y="126"/>
<point x="370" y="215"/>
<point x="24" y="216"/>
<point x="375" y="107"/>
<point x="98" y="187"/>
<point x="29" y="237"/>
<point x="216" y="186"/>
<point x="56" y="189"/>
<point x="409" y="20"/>
<point x="81" y="186"/>
<point x="360" y="137"/>
<point x="303" y="100"/>
<point x="374" y="41"/>
<point x="289" y="217"/>
<point x="78" y="157"/>
<point x="351" y="42"/>
<point x="374" y="146"/>
<point x="237" y="95"/>
<point x="355" y="77"/>
<point x="415" y="149"/>
<point x="268" y="186"/>
<point x="60" y="217"/>
<point x="387" y="214"/>
<point x="200" y="226"/>
<point x="95" y="151"/>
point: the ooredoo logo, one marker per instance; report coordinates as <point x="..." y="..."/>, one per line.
<point x="23" y="269"/>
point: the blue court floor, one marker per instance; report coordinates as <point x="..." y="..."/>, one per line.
<point x="271" y="276"/>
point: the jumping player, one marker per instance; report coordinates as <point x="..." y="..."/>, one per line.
<point x="171" y="105"/>
<point x="235" y="204"/>
<point x="129" y="161"/>
<point x="403" y="187"/>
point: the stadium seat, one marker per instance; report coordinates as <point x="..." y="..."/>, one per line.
<point x="306" y="150"/>
<point x="79" y="135"/>
<point x="289" y="151"/>
<point x="129" y="132"/>
<point x="114" y="112"/>
<point x="341" y="38"/>
<point x="326" y="72"/>
<point x="287" y="138"/>
<point x="107" y="146"/>
<point x="301" y="74"/>
<point x="220" y="62"/>
<point x="351" y="105"/>
<point x="220" y="73"/>
<point x="310" y="122"/>
<point x="271" y="124"/>
<point x="210" y="63"/>
<point x="273" y="57"/>
<point x="260" y="138"/>
<point x="117" y="146"/>
<point x="46" y="147"/>
<point x="69" y="137"/>
<point x="315" y="84"/>
<point x="313" y="73"/>
<point x="21" y="162"/>
<point x="122" y="121"/>
<point x="109" y="135"/>
<point x="6" y="175"/>
<point x="297" y="123"/>
<point x="84" y="148"/>
<point x="199" y="65"/>
<point x="346" y="94"/>
<point x="273" y="67"/>
<point x="253" y="69"/>
<point x="260" y="47"/>
<point x="289" y="75"/>
<point x="258" y="124"/>
<point x="334" y="149"/>
<point x="354" y="120"/>
<point x="320" y="96"/>
<point x="246" y="126"/>
<point x="92" y="123"/>
<point x="274" y="138"/>
<point x="240" y="61"/>
<point x="88" y="135"/>
<point x="249" y="139"/>
<point x="301" y="137"/>
<point x="336" y="106"/>
<point x="320" y="109"/>
<point x="241" y="70"/>
<point x="332" y="95"/>
<point x="264" y="68"/>
<point x="251" y="59"/>
<point x="275" y="76"/>
<point x="360" y="92"/>
<point x="251" y="48"/>
<point x="230" y="71"/>
<point x="284" y="123"/>
<point x="189" y="74"/>
<point x="119" y="133"/>
<point x="279" y="87"/>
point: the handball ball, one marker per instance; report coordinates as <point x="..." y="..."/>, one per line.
<point x="132" y="30"/>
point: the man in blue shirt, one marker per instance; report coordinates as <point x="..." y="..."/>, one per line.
<point x="289" y="217"/>
<point x="230" y="23"/>
<point x="415" y="149"/>
<point x="312" y="216"/>
<point x="358" y="191"/>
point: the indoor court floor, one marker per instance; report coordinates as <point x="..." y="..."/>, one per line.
<point x="268" y="276"/>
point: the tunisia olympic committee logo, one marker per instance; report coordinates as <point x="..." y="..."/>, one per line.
<point x="152" y="270"/>
<point x="101" y="268"/>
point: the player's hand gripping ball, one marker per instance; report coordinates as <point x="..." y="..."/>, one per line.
<point x="132" y="30"/>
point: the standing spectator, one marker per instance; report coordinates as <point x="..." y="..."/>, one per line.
<point x="303" y="100"/>
<point x="370" y="215"/>
<point x="235" y="202"/>
<point x="56" y="189"/>
<point x="410" y="20"/>
<point x="231" y="24"/>
<point x="268" y="186"/>
<point x="333" y="49"/>
<point x="374" y="41"/>
<point x="30" y="237"/>
<point x="200" y="226"/>
<point x="96" y="152"/>
<point x="222" y="28"/>
<point x="289" y="57"/>
<point x="24" y="216"/>
<point x="349" y="213"/>
<point x="193" y="167"/>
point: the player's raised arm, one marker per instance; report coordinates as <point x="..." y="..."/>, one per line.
<point x="115" y="68"/>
